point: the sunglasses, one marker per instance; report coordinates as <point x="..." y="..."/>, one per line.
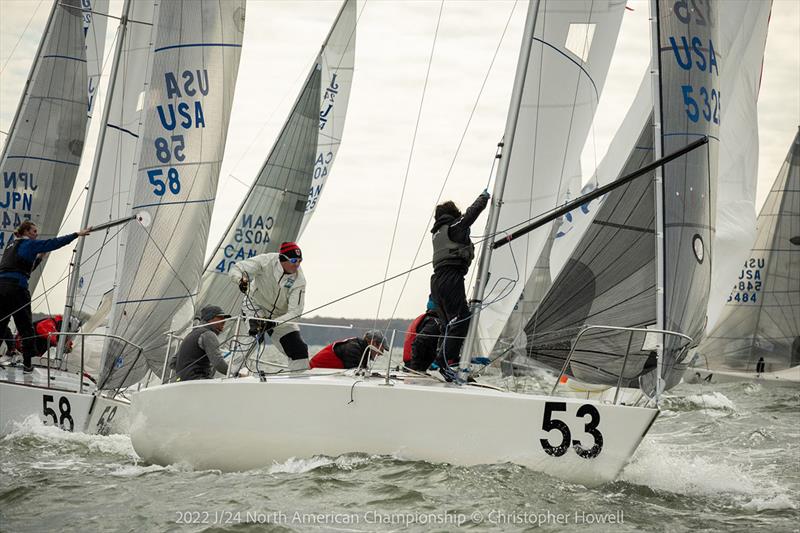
<point x="294" y="260"/>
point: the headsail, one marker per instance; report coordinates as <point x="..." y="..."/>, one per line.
<point x="197" y="45"/>
<point x="567" y="66"/>
<point x="116" y="168"/>
<point x="762" y="316"/>
<point x="41" y="156"/>
<point x="94" y="31"/>
<point x="743" y="33"/>
<point x="285" y="193"/>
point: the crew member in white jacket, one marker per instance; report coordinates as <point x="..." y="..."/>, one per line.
<point x="275" y="284"/>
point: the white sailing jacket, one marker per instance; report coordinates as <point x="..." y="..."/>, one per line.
<point x="280" y="296"/>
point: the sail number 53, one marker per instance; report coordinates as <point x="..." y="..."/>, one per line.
<point x="553" y="424"/>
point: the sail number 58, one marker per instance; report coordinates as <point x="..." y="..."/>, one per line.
<point x="551" y="424"/>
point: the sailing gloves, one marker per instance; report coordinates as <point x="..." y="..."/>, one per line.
<point x="486" y="194"/>
<point x="244" y="283"/>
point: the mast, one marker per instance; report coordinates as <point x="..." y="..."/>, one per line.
<point x="658" y="186"/>
<point x="30" y="77"/>
<point x="78" y="252"/>
<point x="499" y="186"/>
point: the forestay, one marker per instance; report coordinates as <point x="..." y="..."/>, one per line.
<point x="761" y="318"/>
<point x="197" y="45"/>
<point x="286" y="191"/>
<point x="116" y="168"/>
<point x="43" y="151"/>
<point x="567" y="66"/>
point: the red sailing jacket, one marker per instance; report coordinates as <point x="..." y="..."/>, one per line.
<point x="411" y="334"/>
<point x="326" y="358"/>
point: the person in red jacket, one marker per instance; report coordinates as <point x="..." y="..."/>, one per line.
<point x="350" y="353"/>
<point x="422" y="339"/>
<point x="43" y="340"/>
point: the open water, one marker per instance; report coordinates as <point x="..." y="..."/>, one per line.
<point x="717" y="459"/>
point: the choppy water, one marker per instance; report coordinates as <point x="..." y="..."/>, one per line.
<point x="722" y="459"/>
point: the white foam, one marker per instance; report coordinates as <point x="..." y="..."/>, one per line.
<point x="32" y="426"/>
<point x="670" y="468"/>
<point x="135" y="470"/>
<point x="709" y="401"/>
<point x="293" y="465"/>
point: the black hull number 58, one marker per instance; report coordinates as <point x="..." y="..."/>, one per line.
<point x="549" y="424"/>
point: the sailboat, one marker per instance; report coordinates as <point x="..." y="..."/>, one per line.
<point x="39" y="162"/>
<point x="757" y="337"/>
<point x="600" y="283"/>
<point x="183" y="58"/>
<point x="334" y="412"/>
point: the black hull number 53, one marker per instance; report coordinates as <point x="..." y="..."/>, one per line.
<point x="550" y="424"/>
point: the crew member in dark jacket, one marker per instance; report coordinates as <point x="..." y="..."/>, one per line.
<point x="453" y="252"/>
<point x="198" y="356"/>
<point x="20" y="258"/>
<point x="422" y="339"/>
<point x="348" y="353"/>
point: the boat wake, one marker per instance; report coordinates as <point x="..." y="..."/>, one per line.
<point x="669" y="468"/>
<point x="32" y="432"/>
<point x="710" y="401"/>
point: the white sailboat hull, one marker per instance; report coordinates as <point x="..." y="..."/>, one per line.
<point x="245" y="424"/>
<point x="790" y="376"/>
<point x="26" y="395"/>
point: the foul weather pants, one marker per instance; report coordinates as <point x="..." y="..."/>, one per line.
<point x="16" y="301"/>
<point x="447" y="289"/>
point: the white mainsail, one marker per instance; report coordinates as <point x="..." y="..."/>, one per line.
<point x="43" y="150"/>
<point x="116" y="167"/>
<point x="286" y="191"/>
<point x="761" y="319"/>
<point x="571" y="51"/>
<point x="195" y="61"/>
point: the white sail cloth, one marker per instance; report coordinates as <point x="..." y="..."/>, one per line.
<point x="286" y="191"/>
<point x="743" y="33"/>
<point x="116" y="168"/>
<point x="761" y="319"/>
<point x="43" y="151"/>
<point x="570" y="55"/>
<point x="195" y="60"/>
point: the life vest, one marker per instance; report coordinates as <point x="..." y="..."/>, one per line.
<point x="446" y="251"/>
<point x="13" y="262"/>
<point x="411" y="334"/>
<point x="326" y="358"/>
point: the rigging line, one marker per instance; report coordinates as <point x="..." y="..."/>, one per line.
<point x="410" y="156"/>
<point x="455" y="155"/>
<point x="10" y="55"/>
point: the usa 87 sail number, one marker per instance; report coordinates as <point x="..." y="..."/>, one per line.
<point x="553" y="424"/>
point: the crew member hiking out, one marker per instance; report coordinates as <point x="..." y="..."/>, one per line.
<point x="275" y="285"/>
<point x="198" y="356"/>
<point x="350" y="353"/>
<point x="422" y="339"/>
<point x="20" y="258"/>
<point x="453" y="252"/>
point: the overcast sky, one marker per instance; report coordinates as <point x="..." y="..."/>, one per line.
<point x="347" y="244"/>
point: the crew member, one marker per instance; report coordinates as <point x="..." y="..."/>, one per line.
<point x="350" y="353"/>
<point x="198" y="356"/>
<point x="453" y="252"/>
<point x="275" y="285"/>
<point x="422" y="339"/>
<point x="20" y="258"/>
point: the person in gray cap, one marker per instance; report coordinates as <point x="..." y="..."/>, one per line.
<point x="350" y="353"/>
<point x="198" y="356"/>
